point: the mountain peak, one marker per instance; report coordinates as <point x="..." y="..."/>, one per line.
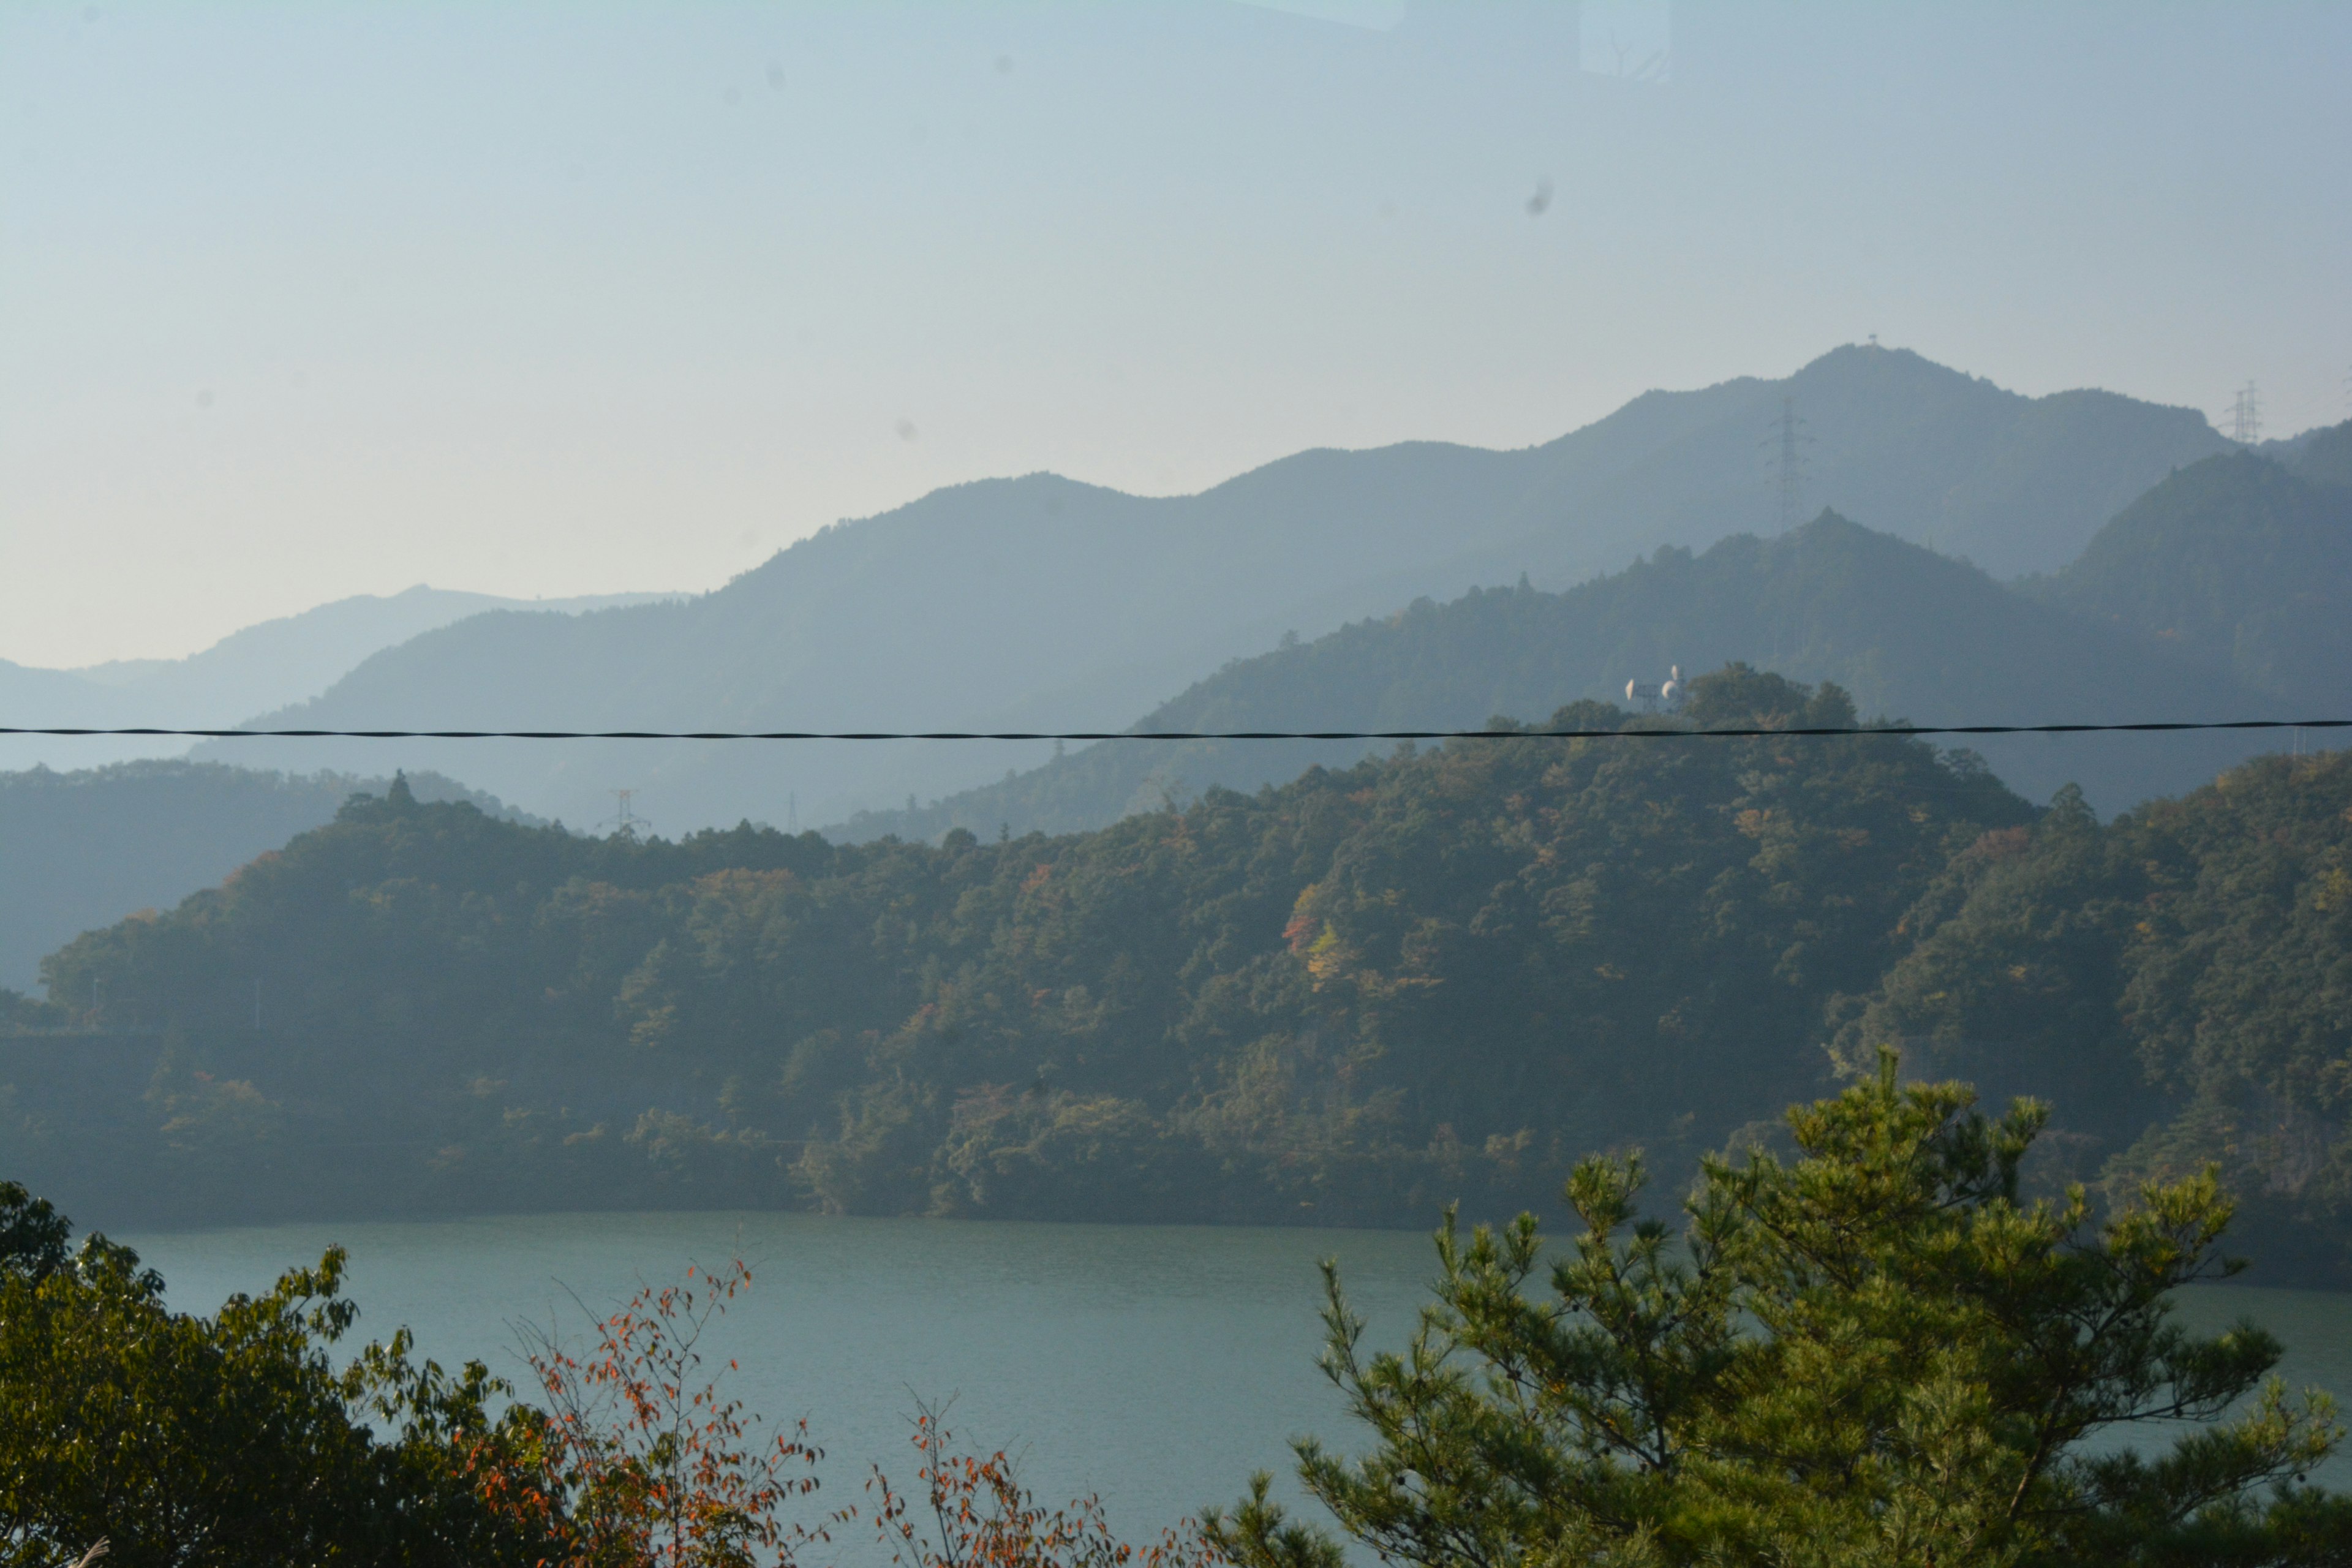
<point x="1879" y="364"/>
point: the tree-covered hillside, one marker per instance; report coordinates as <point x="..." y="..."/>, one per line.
<point x="2324" y="456"/>
<point x="85" y="849"/>
<point x="1345" y="1000"/>
<point x="2239" y="562"/>
<point x="1909" y="632"/>
<point x="1348" y="999"/>
<point x="2208" y="940"/>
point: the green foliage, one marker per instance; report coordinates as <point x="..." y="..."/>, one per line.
<point x="135" y="1435"/>
<point x="1347" y="1000"/>
<point x="19" y="1012"/>
<point x="230" y="1440"/>
<point x="2237" y="561"/>
<point x="2207" y="943"/>
<point x="1875" y="1354"/>
<point x="86" y="846"/>
<point x="33" y="1235"/>
<point x="1375" y="990"/>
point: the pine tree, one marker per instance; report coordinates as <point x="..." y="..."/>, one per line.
<point x="1875" y="1354"/>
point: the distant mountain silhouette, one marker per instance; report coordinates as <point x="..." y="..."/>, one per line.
<point x="1928" y="454"/>
<point x="263" y="667"/>
<point x="2324" y="456"/>
<point x="1910" y="634"/>
<point x="1040" y="603"/>
<point x="2239" y="562"/>
<point x="84" y="849"/>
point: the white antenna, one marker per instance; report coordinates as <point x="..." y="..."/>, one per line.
<point x="1646" y="695"/>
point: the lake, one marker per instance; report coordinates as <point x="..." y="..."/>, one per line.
<point x="1155" y="1365"/>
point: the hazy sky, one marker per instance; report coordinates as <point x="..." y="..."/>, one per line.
<point x="305" y="299"/>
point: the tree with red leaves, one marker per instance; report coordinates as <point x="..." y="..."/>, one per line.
<point x="645" y="1460"/>
<point x="973" y="1512"/>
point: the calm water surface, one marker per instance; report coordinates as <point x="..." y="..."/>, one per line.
<point x="1157" y="1367"/>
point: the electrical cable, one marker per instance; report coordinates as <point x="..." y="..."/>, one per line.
<point x="1730" y="732"/>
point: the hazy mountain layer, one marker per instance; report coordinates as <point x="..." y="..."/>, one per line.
<point x="1932" y="456"/>
<point x="2241" y="563"/>
<point x="1042" y="603"/>
<point x="263" y="667"/>
<point x="2325" y="456"/>
<point x="83" y="849"/>
<point x="1911" y="634"/>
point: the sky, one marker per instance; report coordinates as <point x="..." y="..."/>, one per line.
<point x="313" y="298"/>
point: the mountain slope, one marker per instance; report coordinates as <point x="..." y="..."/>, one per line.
<point x="2209" y="940"/>
<point x="1042" y="602"/>
<point x="2015" y="484"/>
<point x="2325" y="456"/>
<point x="1340" y="1002"/>
<point x="1909" y="633"/>
<point x="83" y="849"/>
<point x="1348" y="1000"/>
<point x="2240" y="563"/>
<point x="276" y="662"/>
<point x="256" y="669"/>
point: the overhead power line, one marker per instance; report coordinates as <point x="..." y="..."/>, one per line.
<point x="1659" y="733"/>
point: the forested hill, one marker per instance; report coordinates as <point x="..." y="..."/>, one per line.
<point x="2240" y="563"/>
<point x="84" y="849"/>
<point x="1041" y="602"/>
<point x="1909" y="632"/>
<point x="2209" y="939"/>
<point x="2324" y="456"/>
<point x="1347" y="999"/>
<point x="1350" y="999"/>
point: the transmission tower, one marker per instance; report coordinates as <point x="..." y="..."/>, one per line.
<point x="625" y="820"/>
<point x="1789" y="436"/>
<point x="2246" y="416"/>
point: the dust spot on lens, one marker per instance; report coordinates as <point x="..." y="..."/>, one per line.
<point x="204" y="398"/>
<point x="1005" y="65"/>
<point x="1540" y="202"/>
<point x="775" y="77"/>
<point x="906" y="428"/>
